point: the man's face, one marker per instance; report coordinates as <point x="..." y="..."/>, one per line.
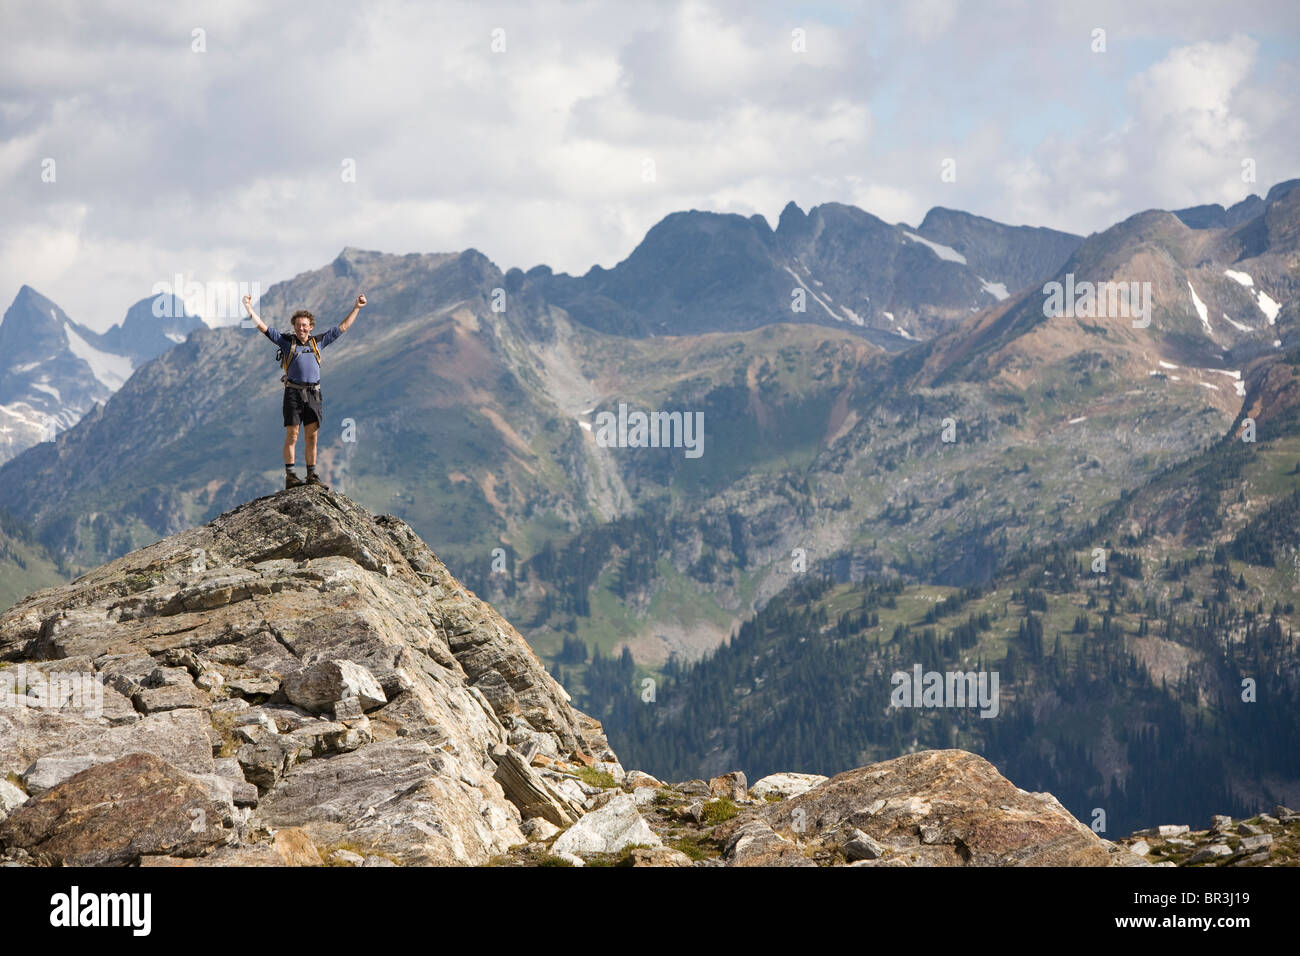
<point x="302" y="326"/>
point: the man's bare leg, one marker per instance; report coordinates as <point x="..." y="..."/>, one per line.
<point x="312" y="429"/>
<point x="291" y="478"/>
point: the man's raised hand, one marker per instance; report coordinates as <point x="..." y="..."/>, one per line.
<point x="346" y="323"/>
<point x="257" y="320"/>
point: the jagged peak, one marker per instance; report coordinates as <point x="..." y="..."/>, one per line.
<point x="33" y="313"/>
<point x="351" y="261"/>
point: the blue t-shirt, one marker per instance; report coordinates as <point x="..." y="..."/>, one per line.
<point x="304" y="368"/>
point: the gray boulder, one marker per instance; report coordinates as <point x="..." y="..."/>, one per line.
<point x="317" y="687"/>
<point x="609" y="829"/>
<point x="1205" y="854"/>
<point x="10" y="798"/>
<point x="785" y="785"/>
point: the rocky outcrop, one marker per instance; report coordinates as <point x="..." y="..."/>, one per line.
<point x="940" y="808"/>
<point x="1267" y="839"/>
<point x="295" y="665"/>
<point x="530" y="791"/>
<point x="933" y="808"/>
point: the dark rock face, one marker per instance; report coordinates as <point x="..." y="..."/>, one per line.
<point x="203" y="663"/>
<point x="1214" y="216"/>
<point x="1015" y="255"/>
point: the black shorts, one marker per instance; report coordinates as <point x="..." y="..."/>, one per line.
<point x="302" y="407"/>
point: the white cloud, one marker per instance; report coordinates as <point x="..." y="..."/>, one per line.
<point x="928" y="19"/>
<point x="40" y="253"/>
<point x="1190" y="125"/>
<point x="225" y="165"/>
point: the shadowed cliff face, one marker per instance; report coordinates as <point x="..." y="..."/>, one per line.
<point x="296" y="663"/>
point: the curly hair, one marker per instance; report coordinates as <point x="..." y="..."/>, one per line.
<point x="293" y="321"/>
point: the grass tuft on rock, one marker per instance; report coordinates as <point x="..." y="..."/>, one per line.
<point x="596" y="778"/>
<point x="716" y="811"/>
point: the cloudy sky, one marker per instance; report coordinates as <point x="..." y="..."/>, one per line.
<point x="241" y="141"/>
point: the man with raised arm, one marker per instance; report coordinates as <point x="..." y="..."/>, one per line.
<point x="300" y="361"/>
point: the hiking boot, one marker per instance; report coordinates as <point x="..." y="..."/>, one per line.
<point x="291" y="480"/>
<point x="313" y="480"/>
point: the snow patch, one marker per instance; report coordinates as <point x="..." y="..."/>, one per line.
<point x="1164" y="364"/>
<point x="1237" y="325"/>
<point x="37" y="419"/>
<point x="947" y="253"/>
<point x="111" y="370"/>
<point x="1075" y="421"/>
<point x="1239" y="277"/>
<point x="1201" y="310"/>
<point x="853" y="316"/>
<point x="48" y="389"/>
<point x="1209" y="386"/>
<point x="1236" y="374"/>
<point x="174" y="337"/>
<point x="906" y="334"/>
<point x="1268" y="305"/>
<point x="996" y="289"/>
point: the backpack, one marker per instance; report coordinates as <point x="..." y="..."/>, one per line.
<point x="285" y="361"/>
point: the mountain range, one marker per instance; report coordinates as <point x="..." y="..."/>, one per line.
<point x="467" y="400"/>
<point x="709" y="272"/>
<point x="53" y="370"/>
